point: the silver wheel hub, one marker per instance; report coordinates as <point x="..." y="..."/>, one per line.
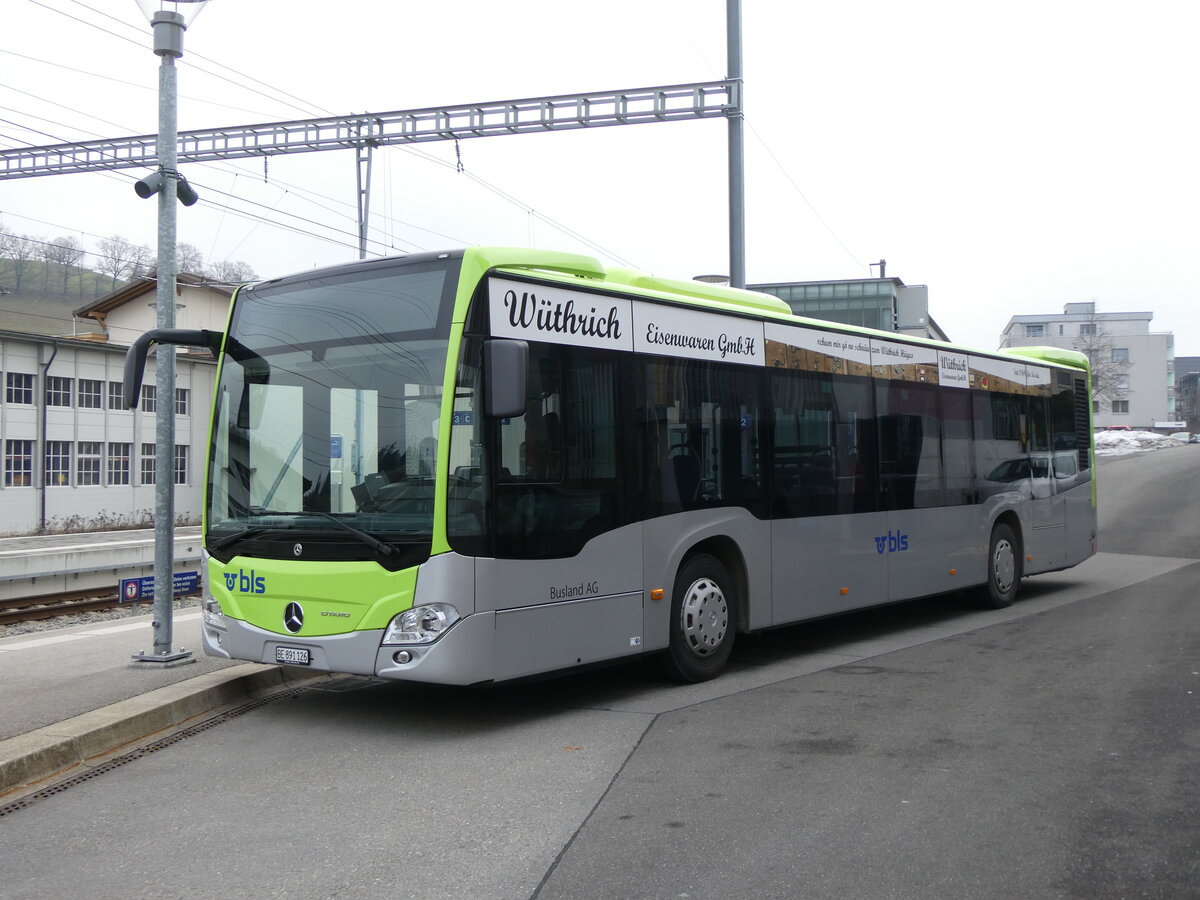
<point x="703" y="617"/>
<point x="1004" y="566"/>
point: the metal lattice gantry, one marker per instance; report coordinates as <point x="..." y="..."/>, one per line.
<point x="667" y="103"/>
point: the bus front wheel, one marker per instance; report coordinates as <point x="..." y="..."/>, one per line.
<point x="703" y="620"/>
<point x="1004" y="568"/>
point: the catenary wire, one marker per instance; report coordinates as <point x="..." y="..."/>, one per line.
<point x="207" y="59"/>
<point x="140" y="87"/>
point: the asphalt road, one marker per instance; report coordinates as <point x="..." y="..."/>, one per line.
<point x="926" y="750"/>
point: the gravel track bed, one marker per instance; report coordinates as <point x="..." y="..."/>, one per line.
<point x="101" y="617"/>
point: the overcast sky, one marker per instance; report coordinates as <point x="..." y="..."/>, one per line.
<point x="1012" y="156"/>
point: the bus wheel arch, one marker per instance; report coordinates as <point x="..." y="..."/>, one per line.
<point x="1005" y="558"/>
<point x="707" y="610"/>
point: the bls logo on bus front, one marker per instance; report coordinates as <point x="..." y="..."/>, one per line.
<point x="892" y="542"/>
<point x="247" y="584"/>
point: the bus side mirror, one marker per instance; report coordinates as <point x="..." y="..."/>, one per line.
<point x="505" y="364"/>
<point x="135" y="356"/>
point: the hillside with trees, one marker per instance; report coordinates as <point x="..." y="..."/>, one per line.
<point x="43" y="280"/>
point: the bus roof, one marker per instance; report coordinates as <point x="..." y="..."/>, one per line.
<point x="574" y="268"/>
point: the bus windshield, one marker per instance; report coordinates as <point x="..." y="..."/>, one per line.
<point x="328" y="405"/>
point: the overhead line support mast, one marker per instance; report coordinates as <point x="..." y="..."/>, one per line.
<point x="364" y="132"/>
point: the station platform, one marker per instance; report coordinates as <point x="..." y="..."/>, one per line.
<point x="37" y="565"/>
<point x="74" y="695"/>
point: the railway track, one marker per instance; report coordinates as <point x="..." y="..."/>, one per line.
<point x="50" y="606"/>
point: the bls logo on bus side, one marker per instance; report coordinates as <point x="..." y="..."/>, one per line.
<point x="892" y="542"/>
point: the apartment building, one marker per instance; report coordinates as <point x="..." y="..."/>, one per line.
<point x="1133" y="368"/>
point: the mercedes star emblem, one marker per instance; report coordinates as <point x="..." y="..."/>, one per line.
<point x="293" y="616"/>
<point x="297" y="549"/>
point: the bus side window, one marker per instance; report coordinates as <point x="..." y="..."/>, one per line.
<point x="563" y="457"/>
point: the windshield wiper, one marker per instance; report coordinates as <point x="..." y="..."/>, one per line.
<point x="222" y="543"/>
<point x="381" y="547"/>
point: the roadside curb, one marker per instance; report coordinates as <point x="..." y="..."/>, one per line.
<point x="55" y="749"/>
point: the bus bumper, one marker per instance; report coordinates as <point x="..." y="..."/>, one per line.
<point x="464" y="655"/>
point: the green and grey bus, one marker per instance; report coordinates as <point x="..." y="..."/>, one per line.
<point x="490" y="464"/>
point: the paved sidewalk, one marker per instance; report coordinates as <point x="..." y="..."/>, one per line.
<point x="74" y="694"/>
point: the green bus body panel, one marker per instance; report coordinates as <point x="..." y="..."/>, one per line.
<point x="212" y="412"/>
<point x="1057" y="355"/>
<point x="337" y="597"/>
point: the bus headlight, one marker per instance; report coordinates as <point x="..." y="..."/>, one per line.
<point x="421" y="625"/>
<point x="211" y="612"/>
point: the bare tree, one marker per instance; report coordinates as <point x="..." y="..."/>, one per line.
<point x="189" y="259"/>
<point x="18" y="251"/>
<point x="1110" y="371"/>
<point x="66" y="252"/>
<point x="116" y="257"/>
<point x="140" y="261"/>
<point x="231" y="271"/>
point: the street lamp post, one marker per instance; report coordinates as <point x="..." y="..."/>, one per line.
<point x="169" y="19"/>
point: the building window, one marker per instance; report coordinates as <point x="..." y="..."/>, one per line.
<point x="116" y="395"/>
<point x="1095" y="406"/>
<point x="1035" y="331"/>
<point x="89" y="393"/>
<point x="148" y="463"/>
<point x="181" y="401"/>
<point x="58" y="390"/>
<point x="149" y="398"/>
<point x="118" y="463"/>
<point x="1120" y="354"/>
<point x="19" y="388"/>
<point x="58" y="463"/>
<point x="1121" y="382"/>
<point x="18" y="463"/>
<point x="1120" y="407"/>
<point x="181" y="464"/>
<point x="87" y="463"/>
<point x="1087" y="328"/>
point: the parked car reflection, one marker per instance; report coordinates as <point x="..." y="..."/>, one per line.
<point x="1031" y="476"/>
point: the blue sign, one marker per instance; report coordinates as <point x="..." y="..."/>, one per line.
<point x="463" y="417"/>
<point x="335" y="446"/>
<point x="133" y="590"/>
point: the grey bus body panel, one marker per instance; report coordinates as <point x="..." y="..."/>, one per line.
<point x="447" y="578"/>
<point x="932" y="551"/>
<point x="668" y="540"/>
<point x="608" y="565"/>
<point x="816" y="557"/>
<point x="1082" y="524"/>
<point x="573" y="633"/>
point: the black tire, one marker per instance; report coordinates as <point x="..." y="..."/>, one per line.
<point x="1004" y="568"/>
<point x="703" y="620"/>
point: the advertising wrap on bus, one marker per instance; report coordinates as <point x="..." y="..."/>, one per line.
<point x="583" y="319"/>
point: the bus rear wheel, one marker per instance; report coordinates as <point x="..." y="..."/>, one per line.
<point x="1004" y="568"/>
<point x="703" y="620"/>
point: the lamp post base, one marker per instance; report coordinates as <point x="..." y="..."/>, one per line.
<point x="167" y="659"/>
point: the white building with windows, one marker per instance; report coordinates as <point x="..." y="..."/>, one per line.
<point x="73" y="458"/>
<point x="1140" y="362"/>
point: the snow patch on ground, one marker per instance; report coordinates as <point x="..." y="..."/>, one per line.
<point x="1115" y="443"/>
